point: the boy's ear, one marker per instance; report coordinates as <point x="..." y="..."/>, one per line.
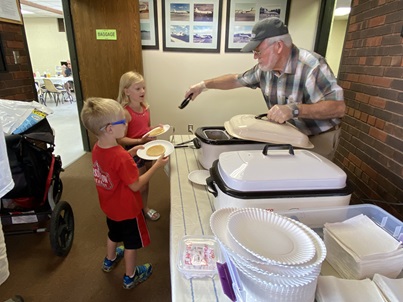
<point x="108" y="129"/>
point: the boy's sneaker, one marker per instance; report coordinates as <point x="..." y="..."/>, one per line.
<point x="110" y="264"/>
<point x="142" y="273"/>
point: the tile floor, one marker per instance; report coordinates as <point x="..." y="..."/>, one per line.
<point x="65" y="122"/>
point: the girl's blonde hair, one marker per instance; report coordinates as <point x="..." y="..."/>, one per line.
<point x="126" y="80"/>
<point x="99" y="112"/>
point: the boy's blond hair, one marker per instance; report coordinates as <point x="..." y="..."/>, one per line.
<point x="99" y="112"/>
<point x="126" y="80"/>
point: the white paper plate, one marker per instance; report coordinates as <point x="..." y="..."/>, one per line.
<point x="142" y="153"/>
<point x="218" y="225"/>
<point x="271" y="237"/>
<point x="199" y="177"/>
<point x="165" y="128"/>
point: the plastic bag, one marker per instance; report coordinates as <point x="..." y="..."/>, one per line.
<point x="17" y="116"/>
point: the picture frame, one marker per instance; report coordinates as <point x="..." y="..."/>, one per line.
<point x="10" y="12"/>
<point x="242" y="15"/>
<point x="148" y="24"/>
<point x="192" y="26"/>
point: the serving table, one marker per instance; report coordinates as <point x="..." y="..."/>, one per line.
<point x="191" y="208"/>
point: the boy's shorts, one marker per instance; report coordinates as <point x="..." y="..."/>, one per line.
<point x="132" y="232"/>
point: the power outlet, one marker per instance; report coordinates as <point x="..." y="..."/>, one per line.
<point x="190" y="128"/>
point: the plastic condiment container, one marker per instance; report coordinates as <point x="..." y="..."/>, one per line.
<point x="198" y="255"/>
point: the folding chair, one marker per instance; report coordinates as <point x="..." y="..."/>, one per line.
<point x="57" y="92"/>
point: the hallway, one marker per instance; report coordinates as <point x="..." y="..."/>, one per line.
<point x="65" y="122"/>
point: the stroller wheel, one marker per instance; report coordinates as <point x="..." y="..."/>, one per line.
<point x="61" y="228"/>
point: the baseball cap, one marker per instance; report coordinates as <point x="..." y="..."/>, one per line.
<point x="266" y="28"/>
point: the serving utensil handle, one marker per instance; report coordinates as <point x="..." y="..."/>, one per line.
<point x="277" y="146"/>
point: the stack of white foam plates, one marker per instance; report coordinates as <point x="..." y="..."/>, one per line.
<point x="275" y="258"/>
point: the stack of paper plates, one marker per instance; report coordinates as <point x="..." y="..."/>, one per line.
<point x="274" y="257"/>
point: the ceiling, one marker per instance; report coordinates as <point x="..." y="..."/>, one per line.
<point x="53" y="8"/>
<point x="42" y="8"/>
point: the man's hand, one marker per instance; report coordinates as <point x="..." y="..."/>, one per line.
<point x="280" y="114"/>
<point x="196" y="90"/>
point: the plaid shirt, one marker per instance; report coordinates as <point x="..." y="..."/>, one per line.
<point x="307" y="79"/>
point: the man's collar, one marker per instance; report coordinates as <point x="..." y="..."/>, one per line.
<point x="292" y="62"/>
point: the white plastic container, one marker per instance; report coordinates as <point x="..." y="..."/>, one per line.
<point x="316" y="218"/>
<point x="277" y="180"/>
<point x="198" y="255"/>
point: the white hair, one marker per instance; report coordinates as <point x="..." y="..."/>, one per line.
<point x="287" y="40"/>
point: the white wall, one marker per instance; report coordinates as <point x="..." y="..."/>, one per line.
<point x="169" y="74"/>
<point x="47" y="46"/>
<point x="335" y="46"/>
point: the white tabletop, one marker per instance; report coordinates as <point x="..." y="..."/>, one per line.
<point x="191" y="208"/>
<point x="61" y="80"/>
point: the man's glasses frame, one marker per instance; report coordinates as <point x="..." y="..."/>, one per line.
<point x="123" y="122"/>
<point x="259" y="52"/>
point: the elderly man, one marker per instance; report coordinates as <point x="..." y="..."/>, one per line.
<point x="297" y="85"/>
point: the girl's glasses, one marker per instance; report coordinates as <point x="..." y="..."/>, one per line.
<point x="123" y="122"/>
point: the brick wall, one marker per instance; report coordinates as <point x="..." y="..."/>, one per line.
<point x="17" y="82"/>
<point x="371" y="72"/>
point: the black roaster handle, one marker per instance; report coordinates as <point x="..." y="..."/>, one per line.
<point x="267" y="147"/>
<point x="196" y="143"/>
<point x="260" y="116"/>
<point x="211" y="187"/>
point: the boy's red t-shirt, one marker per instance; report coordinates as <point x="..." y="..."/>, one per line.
<point x="114" y="170"/>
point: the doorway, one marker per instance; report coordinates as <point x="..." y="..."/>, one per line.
<point x="332" y="26"/>
<point x="48" y="47"/>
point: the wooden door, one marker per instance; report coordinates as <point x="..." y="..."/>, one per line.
<point x="99" y="63"/>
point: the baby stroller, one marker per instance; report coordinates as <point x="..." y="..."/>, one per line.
<point x="35" y="198"/>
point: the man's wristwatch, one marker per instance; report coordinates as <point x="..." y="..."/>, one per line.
<point x="294" y="109"/>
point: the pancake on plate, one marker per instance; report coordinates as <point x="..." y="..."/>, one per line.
<point x="156" y="150"/>
<point x="156" y="131"/>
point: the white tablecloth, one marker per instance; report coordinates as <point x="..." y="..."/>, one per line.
<point x="55" y="80"/>
<point x="191" y="208"/>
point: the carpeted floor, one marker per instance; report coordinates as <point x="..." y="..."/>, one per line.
<point x="39" y="275"/>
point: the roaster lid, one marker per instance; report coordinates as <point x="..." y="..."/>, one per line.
<point x="250" y="127"/>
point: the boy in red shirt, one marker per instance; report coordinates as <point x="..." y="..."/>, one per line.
<point x="118" y="183"/>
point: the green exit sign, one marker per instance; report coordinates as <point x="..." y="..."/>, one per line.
<point x="106" y="34"/>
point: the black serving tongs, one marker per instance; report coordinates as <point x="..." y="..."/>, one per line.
<point x="185" y="101"/>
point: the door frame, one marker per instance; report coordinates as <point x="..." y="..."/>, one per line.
<point x="75" y="69"/>
<point x="324" y="26"/>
